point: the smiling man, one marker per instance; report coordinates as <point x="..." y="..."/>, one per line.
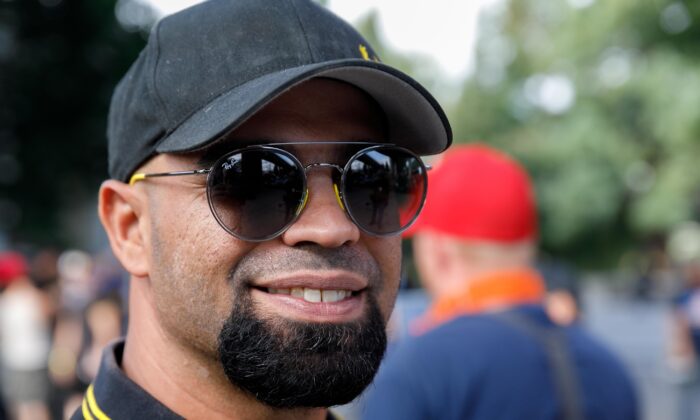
<point x="263" y="164"/>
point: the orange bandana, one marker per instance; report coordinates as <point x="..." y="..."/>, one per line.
<point x="492" y="291"/>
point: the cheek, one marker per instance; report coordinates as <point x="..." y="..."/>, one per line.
<point x="192" y="257"/>
<point x="387" y="253"/>
<point x="184" y="239"/>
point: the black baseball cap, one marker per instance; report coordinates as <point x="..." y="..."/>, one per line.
<point x="208" y="68"/>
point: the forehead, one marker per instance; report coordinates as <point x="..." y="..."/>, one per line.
<point x="318" y="110"/>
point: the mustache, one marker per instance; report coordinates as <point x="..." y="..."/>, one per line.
<point x="267" y="263"/>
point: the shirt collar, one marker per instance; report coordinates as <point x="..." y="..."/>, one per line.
<point x="495" y="291"/>
<point x="114" y="396"/>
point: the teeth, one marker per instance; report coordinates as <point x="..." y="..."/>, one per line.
<point x="329" y="295"/>
<point x="333" y="295"/>
<point x="313" y="295"/>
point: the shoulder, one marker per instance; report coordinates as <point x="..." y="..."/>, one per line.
<point x="595" y="355"/>
<point x="461" y="359"/>
<point x="487" y="335"/>
<point x="484" y="326"/>
<point x="604" y="377"/>
<point x="466" y="348"/>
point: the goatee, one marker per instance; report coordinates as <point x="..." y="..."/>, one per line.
<point x="291" y="364"/>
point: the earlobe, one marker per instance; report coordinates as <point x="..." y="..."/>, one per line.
<point x="119" y="209"/>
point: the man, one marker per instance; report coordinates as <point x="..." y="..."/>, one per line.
<point x="486" y="348"/>
<point x="256" y="198"/>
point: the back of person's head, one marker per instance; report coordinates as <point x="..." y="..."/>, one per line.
<point x="480" y="213"/>
<point x="13" y="266"/>
<point x="478" y="193"/>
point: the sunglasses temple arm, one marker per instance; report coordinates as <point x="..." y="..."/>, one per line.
<point x="141" y="176"/>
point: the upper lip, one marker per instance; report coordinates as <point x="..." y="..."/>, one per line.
<point x="324" y="280"/>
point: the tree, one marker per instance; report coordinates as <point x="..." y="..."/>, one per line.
<point x="599" y="100"/>
<point x="59" y="62"/>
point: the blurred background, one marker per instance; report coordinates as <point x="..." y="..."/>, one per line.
<point x="598" y="99"/>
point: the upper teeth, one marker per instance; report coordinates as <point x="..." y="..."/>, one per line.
<point x="314" y="295"/>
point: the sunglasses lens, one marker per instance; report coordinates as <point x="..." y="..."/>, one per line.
<point x="384" y="189"/>
<point x="255" y="194"/>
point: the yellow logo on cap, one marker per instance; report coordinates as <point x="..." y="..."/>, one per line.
<point x="365" y="54"/>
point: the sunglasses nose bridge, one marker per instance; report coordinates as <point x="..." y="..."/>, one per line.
<point x="335" y="185"/>
<point x="323" y="165"/>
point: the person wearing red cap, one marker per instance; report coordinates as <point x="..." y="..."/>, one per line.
<point x="24" y="341"/>
<point x="487" y="348"/>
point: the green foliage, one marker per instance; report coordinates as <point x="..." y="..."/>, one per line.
<point x="59" y="62"/>
<point x="621" y="157"/>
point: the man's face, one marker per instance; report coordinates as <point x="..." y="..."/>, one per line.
<point x="220" y="297"/>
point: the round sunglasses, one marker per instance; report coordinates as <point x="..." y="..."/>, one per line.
<point x="256" y="193"/>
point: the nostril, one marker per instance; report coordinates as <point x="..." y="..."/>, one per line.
<point x="303" y="244"/>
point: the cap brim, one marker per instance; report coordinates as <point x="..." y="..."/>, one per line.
<point x="416" y="120"/>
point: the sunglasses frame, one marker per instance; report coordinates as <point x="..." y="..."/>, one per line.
<point x="339" y="192"/>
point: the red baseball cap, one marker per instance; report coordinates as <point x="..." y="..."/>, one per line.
<point x="12" y="266"/>
<point x="479" y="193"/>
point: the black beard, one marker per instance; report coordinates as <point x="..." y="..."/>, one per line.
<point x="293" y="364"/>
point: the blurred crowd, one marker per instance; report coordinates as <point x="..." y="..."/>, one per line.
<point x="58" y="309"/>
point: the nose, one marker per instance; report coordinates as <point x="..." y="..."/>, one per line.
<point x="323" y="221"/>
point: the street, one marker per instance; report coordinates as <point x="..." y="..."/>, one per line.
<point x="636" y="330"/>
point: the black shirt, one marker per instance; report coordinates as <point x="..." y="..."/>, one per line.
<point x="114" y="396"/>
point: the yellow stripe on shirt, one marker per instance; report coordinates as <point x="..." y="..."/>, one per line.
<point x="86" y="412"/>
<point x="93" y="405"/>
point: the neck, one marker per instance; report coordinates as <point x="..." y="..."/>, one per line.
<point x="492" y="291"/>
<point x="187" y="381"/>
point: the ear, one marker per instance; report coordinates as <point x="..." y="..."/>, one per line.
<point x="120" y="209"/>
<point x="433" y="258"/>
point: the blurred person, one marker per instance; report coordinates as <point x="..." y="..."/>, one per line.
<point x="76" y="289"/>
<point x="77" y="285"/>
<point x="24" y="341"/>
<point x="110" y="278"/>
<point x="654" y="269"/>
<point x="263" y="163"/>
<point x="68" y="340"/>
<point x="684" y="345"/>
<point x="103" y="319"/>
<point x="89" y="316"/>
<point x="562" y="292"/>
<point x="44" y="270"/>
<point x="487" y="349"/>
<point x="44" y="273"/>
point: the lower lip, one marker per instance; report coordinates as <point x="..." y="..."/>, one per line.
<point x="344" y="310"/>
